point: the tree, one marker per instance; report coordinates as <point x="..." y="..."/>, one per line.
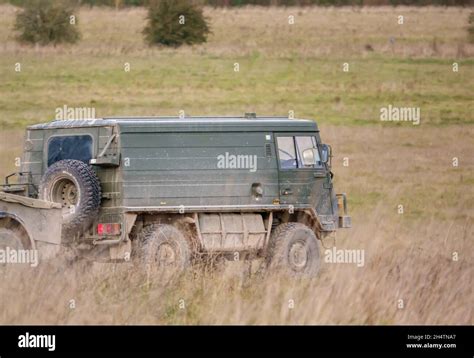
<point x="47" y="21"/>
<point x="174" y="23"/>
<point x="470" y="29"/>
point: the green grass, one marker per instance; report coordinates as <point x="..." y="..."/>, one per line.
<point x="201" y="85"/>
<point x="281" y="68"/>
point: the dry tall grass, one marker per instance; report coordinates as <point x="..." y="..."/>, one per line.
<point x="408" y="257"/>
<point x="434" y="288"/>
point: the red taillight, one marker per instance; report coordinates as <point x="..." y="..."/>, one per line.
<point x="100" y="229"/>
<point x="108" y="229"/>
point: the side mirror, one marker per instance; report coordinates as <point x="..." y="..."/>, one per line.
<point x="309" y="157"/>
<point x="325" y="153"/>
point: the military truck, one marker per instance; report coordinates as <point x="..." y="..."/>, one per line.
<point x="174" y="190"/>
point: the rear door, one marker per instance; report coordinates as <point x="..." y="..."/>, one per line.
<point x="299" y="184"/>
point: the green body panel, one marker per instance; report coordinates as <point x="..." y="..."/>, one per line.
<point x="182" y="169"/>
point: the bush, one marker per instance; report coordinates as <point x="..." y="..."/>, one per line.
<point x="470" y="29"/>
<point x="114" y="3"/>
<point x="46" y="21"/>
<point x="230" y="3"/>
<point x="165" y="23"/>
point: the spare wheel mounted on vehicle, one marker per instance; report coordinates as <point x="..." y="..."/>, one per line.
<point x="74" y="185"/>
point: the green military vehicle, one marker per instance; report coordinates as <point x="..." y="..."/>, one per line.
<point x="172" y="190"/>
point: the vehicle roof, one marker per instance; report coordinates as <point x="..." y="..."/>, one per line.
<point x="221" y="123"/>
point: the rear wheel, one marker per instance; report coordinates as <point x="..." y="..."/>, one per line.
<point x="165" y="249"/>
<point x="294" y="250"/>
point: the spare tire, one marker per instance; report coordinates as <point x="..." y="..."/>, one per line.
<point x="74" y="185"/>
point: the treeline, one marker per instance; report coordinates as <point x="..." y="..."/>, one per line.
<point x="230" y="3"/>
<point x="337" y="2"/>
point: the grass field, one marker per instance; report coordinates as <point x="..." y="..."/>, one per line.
<point x="283" y="67"/>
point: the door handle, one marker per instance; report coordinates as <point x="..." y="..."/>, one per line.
<point x="287" y="191"/>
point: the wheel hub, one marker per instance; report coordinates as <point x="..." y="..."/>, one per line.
<point x="65" y="192"/>
<point x="298" y="256"/>
<point x="69" y="194"/>
<point x="166" y="255"/>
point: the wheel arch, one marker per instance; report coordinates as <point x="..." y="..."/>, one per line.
<point x="187" y="224"/>
<point x="307" y="217"/>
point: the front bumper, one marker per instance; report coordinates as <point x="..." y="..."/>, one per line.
<point x="345" y="221"/>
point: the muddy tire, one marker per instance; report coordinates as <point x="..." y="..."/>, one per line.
<point x="293" y="250"/>
<point x="164" y="248"/>
<point x="75" y="186"/>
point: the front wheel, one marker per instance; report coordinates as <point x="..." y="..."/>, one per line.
<point x="294" y="250"/>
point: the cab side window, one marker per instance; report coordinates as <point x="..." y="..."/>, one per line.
<point x="290" y="151"/>
<point x="303" y="143"/>
<point x="287" y="152"/>
<point x="77" y="147"/>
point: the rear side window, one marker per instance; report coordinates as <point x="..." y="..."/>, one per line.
<point x="77" y="147"/>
